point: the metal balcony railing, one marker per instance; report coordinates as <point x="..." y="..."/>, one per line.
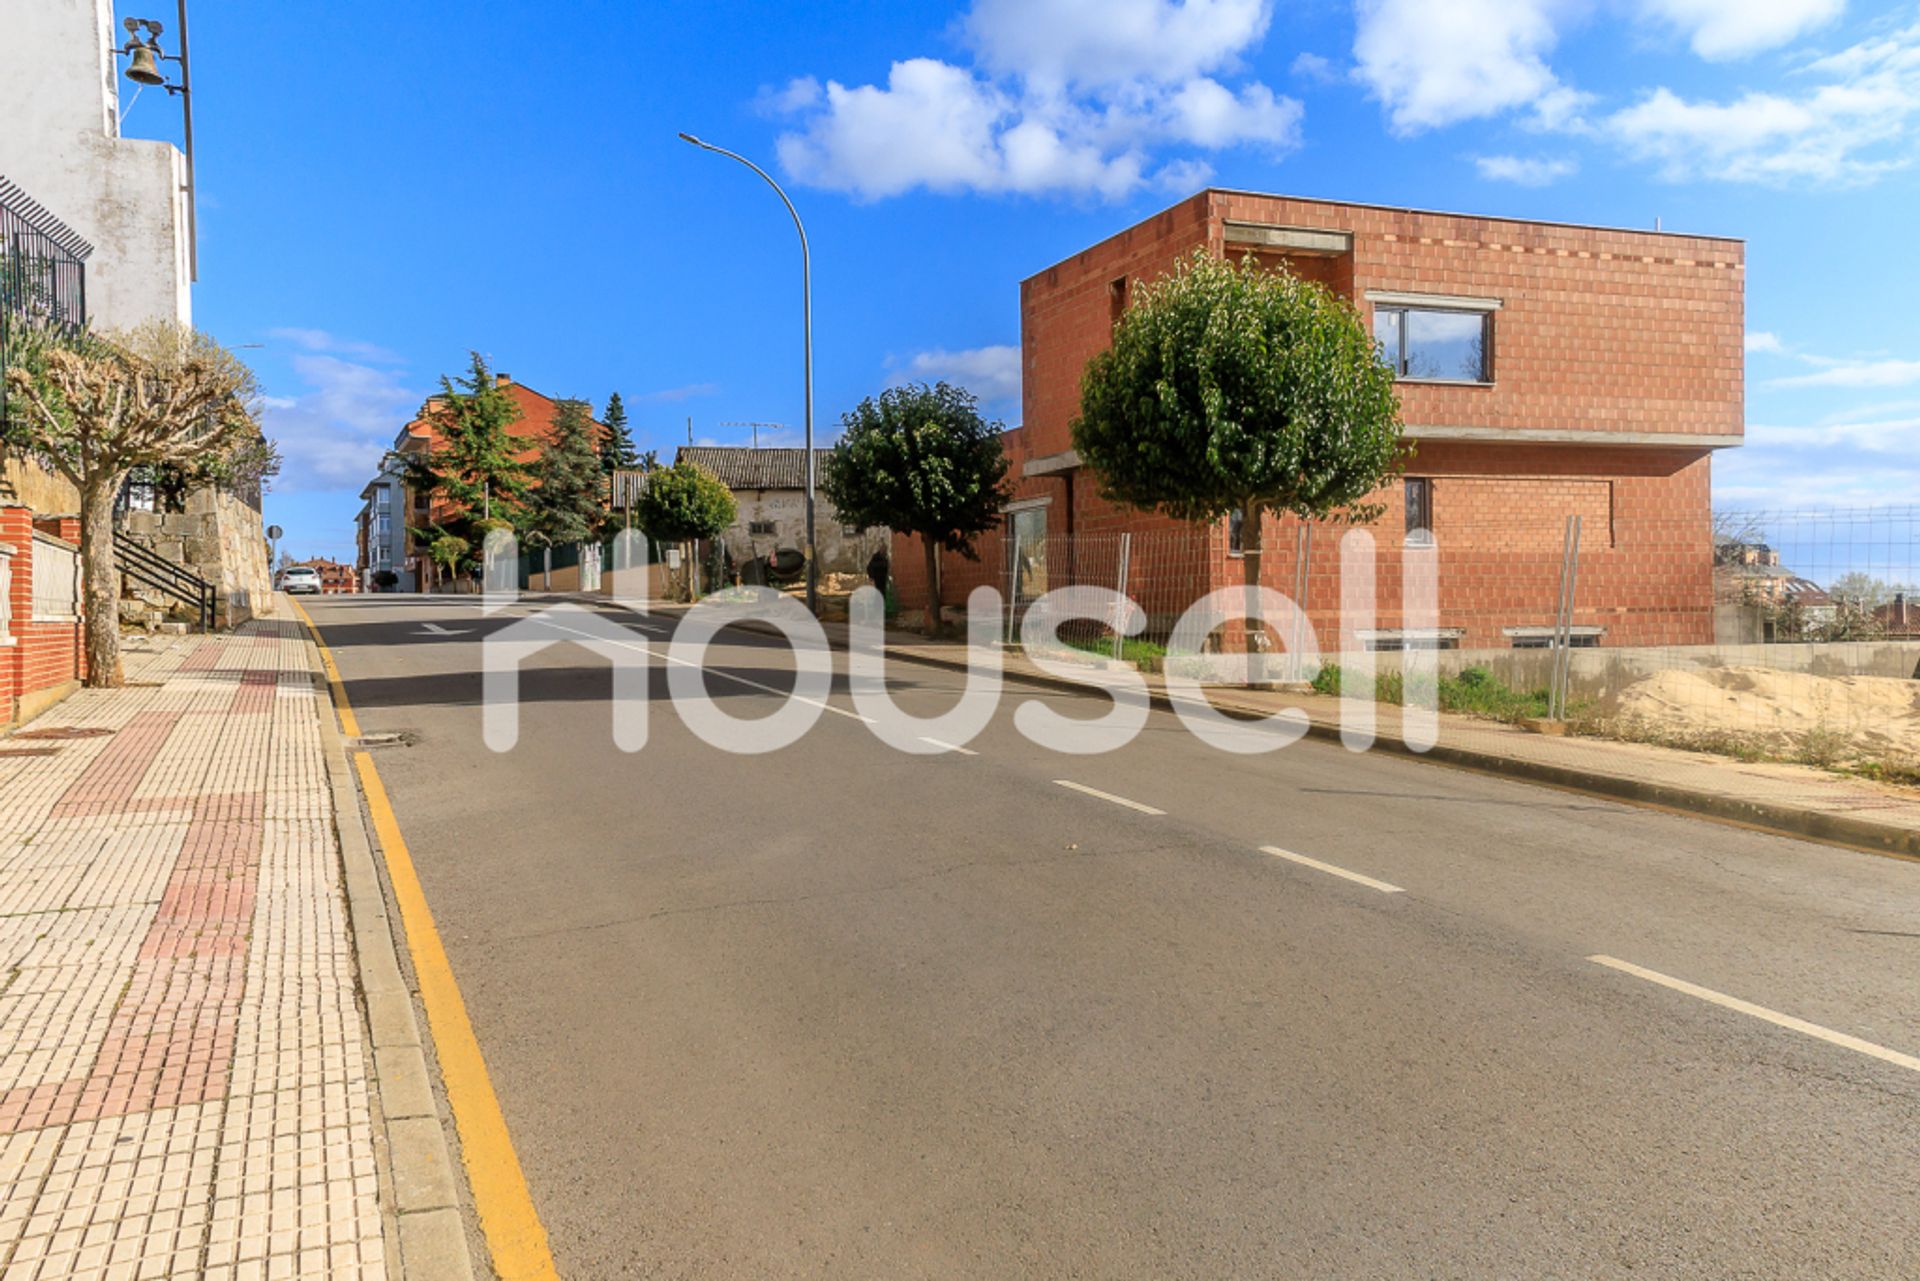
<point x="43" y="274"/>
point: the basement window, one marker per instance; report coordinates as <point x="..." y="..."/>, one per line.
<point x="1542" y="637"/>
<point x="1398" y="639"/>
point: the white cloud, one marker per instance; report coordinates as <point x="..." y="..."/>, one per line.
<point x="1854" y="373"/>
<point x="671" y="394"/>
<point x="990" y="373"/>
<point x="333" y="433"/>
<point x="1852" y="129"/>
<point x="1315" y="69"/>
<point x="1736" y="28"/>
<point x="322" y="341"/>
<point x="1207" y="113"/>
<point x="1762" y="341"/>
<point x="1069" y="96"/>
<point x="1435" y="64"/>
<point x="1527" y="171"/>
<point x="1108" y="43"/>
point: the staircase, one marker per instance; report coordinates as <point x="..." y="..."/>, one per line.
<point x="161" y="587"/>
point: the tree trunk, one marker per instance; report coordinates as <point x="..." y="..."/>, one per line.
<point x="1255" y="623"/>
<point x="932" y="547"/>
<point x="101" y="576"/>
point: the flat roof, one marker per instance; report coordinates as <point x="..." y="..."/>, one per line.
<point x="1404" y="209"/>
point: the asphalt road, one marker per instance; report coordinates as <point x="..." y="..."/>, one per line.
<point x="839" y="1011"/>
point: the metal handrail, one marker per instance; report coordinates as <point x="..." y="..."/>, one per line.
<point x="155" y="571"/>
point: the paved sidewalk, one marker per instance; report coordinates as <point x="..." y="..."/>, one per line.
<point x="184" y="1084"/>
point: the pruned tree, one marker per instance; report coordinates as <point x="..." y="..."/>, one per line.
<point x="920" y="460"/>
<point x="686" y="501"/>
<point x="95" y="406"/>
<point x="1239" y="388"/>
<point x="566" y="502"/>
<point x="616" y="445"/>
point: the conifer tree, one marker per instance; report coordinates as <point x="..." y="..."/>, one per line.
<point x="616" y="447"/>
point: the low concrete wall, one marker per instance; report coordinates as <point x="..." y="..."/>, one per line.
<point x="1598" y="674"/>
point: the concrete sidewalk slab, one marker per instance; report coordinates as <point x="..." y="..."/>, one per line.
<point x="186" y="1086"/>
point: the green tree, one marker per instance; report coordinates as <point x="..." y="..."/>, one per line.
<point x="685" y="501"/>
<point x="616" y="447"/>
<point x="565" y="502"/>
<point x="472" y="463"/>
<point x="1238" y="388"/>
<point x="920" y="460"/>
<point x="447" y="551"/>
<point x="95" y="407"/>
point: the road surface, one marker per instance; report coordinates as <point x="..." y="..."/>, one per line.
<point x="840" y="1011"/>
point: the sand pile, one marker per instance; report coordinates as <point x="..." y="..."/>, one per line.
<point x="1878" y="715"/>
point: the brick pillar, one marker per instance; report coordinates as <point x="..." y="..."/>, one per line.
<point x="16" y="536"/>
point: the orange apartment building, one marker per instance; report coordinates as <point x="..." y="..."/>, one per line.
<point x="1545" y="370"/>
<point x="393" y="510"/>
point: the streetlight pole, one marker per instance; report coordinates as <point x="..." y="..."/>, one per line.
<point x="806" y="312"/>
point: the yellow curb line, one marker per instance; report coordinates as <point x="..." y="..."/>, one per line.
<point x="515" y="1236"/>
<point x="349" y="723"/>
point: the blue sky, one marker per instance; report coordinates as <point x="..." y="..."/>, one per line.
<point x="388" y="185"/>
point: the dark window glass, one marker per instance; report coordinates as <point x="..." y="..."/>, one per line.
<point x="1440" y="346"/>
<point x="1419" y="507"/>
<point x="1236" y="530"/>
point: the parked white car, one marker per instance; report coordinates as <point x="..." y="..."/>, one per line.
<point x="300" y="580"/>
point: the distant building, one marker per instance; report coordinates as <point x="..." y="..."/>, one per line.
<point x="770" y="488"/>
<point x="392" y="511"/>
<point x="335" y="579"/>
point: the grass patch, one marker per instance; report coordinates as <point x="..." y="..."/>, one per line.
<point x="1147" y="655"/>
<point x="1474" y="691"/>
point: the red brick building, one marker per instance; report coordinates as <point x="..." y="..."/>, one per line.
<point x="1545" y="370"/>
<point x="384" y="536"/>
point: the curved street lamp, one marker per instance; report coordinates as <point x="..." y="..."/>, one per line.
<point x="806" y="312"/>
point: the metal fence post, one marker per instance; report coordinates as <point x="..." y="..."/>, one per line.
<point x="1563" y="622"/>
<point x="1123" y="605"/>
<point x="1013" y="583"/>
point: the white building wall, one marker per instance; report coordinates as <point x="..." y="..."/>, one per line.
<point x="60" y="141"/>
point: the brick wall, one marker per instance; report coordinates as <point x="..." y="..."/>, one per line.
<point x="1600" y="330"/>
<point x="41" y="655"/>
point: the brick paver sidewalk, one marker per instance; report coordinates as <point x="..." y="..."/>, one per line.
<point x="184" y="1088"/>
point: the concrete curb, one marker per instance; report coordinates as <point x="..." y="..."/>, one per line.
<point x="420" y="1190"/>
<point x="1843" y="830"/>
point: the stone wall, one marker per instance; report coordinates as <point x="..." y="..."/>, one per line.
<point x="218" y="537"/>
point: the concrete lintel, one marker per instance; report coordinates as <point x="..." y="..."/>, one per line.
<point x="1050" y="464"/>
<point x="1311" y="240"/>
<point x="1573" y="436"/>
<point x="1450" y="302"/>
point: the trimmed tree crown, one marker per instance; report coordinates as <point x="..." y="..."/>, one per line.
<point x="919" y="460"/>
<point x="1233" y="387"/>
<point x="685" y="501"/>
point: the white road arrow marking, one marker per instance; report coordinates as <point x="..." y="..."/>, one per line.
<point x="434" y="629"/>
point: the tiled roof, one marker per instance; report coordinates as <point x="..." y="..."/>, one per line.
<point x="741" y="467"/>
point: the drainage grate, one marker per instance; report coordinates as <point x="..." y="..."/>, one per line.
<point x="396" y="738"/>
<point x="64" y="732"/>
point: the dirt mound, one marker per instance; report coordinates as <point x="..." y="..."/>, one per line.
<point x="1877" y="715"/>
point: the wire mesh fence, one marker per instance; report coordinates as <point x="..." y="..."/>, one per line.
<point x="1790" y="635"/>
